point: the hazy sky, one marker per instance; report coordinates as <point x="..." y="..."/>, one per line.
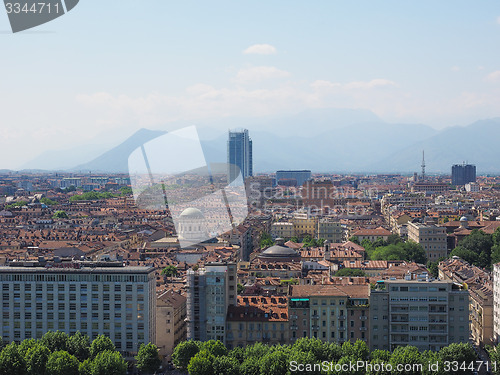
<point x="115" y="66"/>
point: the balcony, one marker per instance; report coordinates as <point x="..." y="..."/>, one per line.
<point x="341" y="329"/>
<point x="362" y="328"/>
<point x="294" y="327"/>
<point x="316" y="316"/>
<point x="341" y="317"/>
<point x="363" y="317"/>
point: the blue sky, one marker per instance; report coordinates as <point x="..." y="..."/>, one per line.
<point x="111" y="67"/>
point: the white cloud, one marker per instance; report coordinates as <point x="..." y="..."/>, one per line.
<point x="260" y="73"/>
<point x="494" y="76"/>
<point x="260" y="49"/>
<point x="455" y="68"/>
<point x="355" y="85"/>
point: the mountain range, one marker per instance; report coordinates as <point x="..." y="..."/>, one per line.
<point x="324" y="141"/>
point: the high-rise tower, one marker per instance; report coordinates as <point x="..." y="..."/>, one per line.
<point x="423" y="165"/>
<point x="239" y="154"/>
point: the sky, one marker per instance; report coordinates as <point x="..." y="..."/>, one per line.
<point x="108" y="68"/>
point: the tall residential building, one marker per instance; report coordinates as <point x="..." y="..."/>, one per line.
<point x="239" y="155"/>
<point x="170" y="322"/>
<point x="93" y="298"/>
<point x="210" y="291"/>
<point x="462" y="174"/>
<point x="425" y="314"/>
<point x="496" y="301"/>
<point x="292" y="178"/>
<point x="431" y="237"/>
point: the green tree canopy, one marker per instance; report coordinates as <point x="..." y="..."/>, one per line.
<point x="55" y="341"/>
<point x="349" y="272"/>
<point x="226" y="365"/>
<point x="183" y="353"/>
<point x="108" y="363"/>
<point x="213" y="347"/>
<point x="79" y="346"/>
<point x="62" y="363"/>
<point x="60" y="215"/>
<point x="101" y="344"/>
<point x="36" y="359"/>
<point x="201" y="364"/>
<point x="266" y="240"/>
<point x="11" y="361"/>
<point x="148" y="360"/>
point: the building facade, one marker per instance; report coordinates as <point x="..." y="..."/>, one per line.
<point x="239" y="155"/>
<point x="93" y="298"/>
<point x="294" y="178"/>
<point x="462" y="174"/>
<point x="431" y="237"/>
<point x="425" y="314"/>
<point x="210" y="291"/>
<point x="170" y="322"/>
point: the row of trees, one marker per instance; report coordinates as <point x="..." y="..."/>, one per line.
<point x="57" y="353"/>
<point x="91" y="196"/>
<point x="213" y="358"/>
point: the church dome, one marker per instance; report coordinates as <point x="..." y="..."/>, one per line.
<point x="192" y="213"/>
<point x="279" y="252"/>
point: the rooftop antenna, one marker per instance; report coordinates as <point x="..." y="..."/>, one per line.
<point x="423" y="165"/>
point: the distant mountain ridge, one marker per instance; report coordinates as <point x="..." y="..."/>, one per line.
<point x="327" y="142"/>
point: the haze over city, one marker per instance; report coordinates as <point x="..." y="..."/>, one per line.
<point x="84" y="80"/>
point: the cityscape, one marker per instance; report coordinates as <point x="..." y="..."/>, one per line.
<point x="385" y="261"/>
<point x="249" y="188"/>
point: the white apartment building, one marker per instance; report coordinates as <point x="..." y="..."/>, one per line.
<point x="425" y="314"/>
<point x="496" y="301"/>
<point x="93" y="298"/>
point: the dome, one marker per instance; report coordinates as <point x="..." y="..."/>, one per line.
<point x="463" y="218"/>
<point x="279" y="251"/>
<point x="192" y="213"/>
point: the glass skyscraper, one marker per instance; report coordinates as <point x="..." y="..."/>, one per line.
<point x="239" y="154"/>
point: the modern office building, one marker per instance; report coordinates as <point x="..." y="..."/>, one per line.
<point x="293" y="178"/>
<point x="462" y="174"/>
<point x="93" y="298"/>
<point x="431" y="237"/>
<point x="425" y="314"/>
<point x="210" y="291"/>
<point x="239" y="155"/>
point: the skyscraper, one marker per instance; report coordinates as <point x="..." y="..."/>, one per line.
<point x="239" y="154"/>
<point x="462" y="174"/>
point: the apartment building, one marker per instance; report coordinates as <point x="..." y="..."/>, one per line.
<point x="330" y="230"/>
<point x="332" y="313"/>
<point x="496" y="302"/>
<point x="93" y="298"/>
<point x="304" y="226"/>
<point x="431" y="237"/>
<point x="258" y="319"/>
<point x="480" y="286"/>
<point x="170" y="322"/>
<point x="425" y="314"/>
<point x="210" y="291"/>
<point x="282" y="229"/>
